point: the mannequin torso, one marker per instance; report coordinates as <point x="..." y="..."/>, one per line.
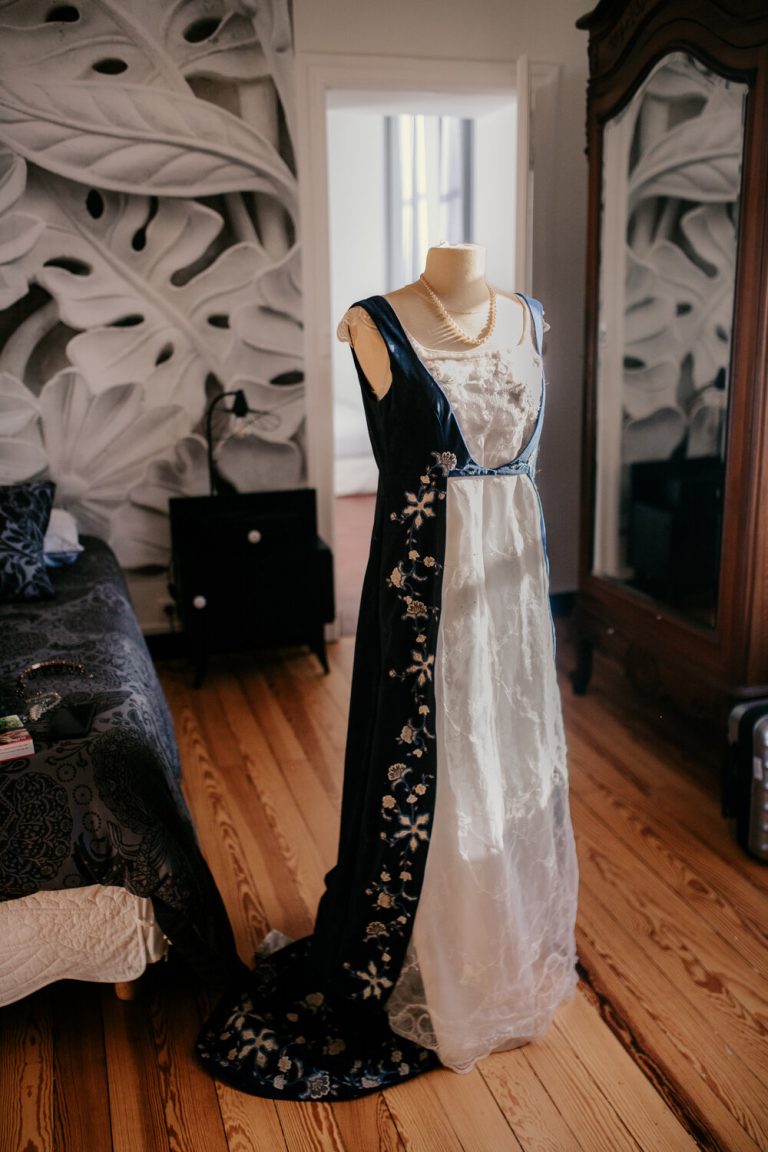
<point x="456" y="274"/>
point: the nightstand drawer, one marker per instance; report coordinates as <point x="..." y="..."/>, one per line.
<point x="268" y="521"/>
<point x="249" y="569"/>
<point x="244" y="531"/>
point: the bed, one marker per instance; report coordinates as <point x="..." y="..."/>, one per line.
<point x="100" y="870"/>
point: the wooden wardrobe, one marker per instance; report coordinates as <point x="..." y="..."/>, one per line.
<point x="674" y="505"/>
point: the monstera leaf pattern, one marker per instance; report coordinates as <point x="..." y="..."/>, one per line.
<point x="112" y="264"/>
<point x="22" y="454"/>
<point x="140" y="526"/>
<point x="98" y="443"/>
<point x="144" y="42"/>
<point x="679" y="308"/>
<point x="149" y="254"/>
<point x="18" y="230"/>
<point x="683" y="177"/>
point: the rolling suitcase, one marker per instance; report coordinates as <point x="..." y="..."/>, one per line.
<point x="745" y="777"/>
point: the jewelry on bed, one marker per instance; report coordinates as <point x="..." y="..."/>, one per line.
<point x="54" y="664"/>
<point x="37" y="706"/>
<point x="453" y="327"/>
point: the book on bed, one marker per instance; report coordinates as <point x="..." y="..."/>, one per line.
<point x="14" y="738"/>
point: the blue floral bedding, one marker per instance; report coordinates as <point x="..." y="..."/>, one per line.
<point x="104" y="806"/>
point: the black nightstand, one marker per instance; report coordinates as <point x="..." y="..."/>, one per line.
<point x="248" y="570"/>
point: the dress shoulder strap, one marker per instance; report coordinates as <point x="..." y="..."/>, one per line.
<point x="536" y="309"/>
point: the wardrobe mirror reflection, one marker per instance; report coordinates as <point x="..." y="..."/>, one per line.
<point x="671" y="176"/>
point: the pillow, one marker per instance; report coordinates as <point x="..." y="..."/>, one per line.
<point x="62" y="544"/>
<point x="24" y="513"/>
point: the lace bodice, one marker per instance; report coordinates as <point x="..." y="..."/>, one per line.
<point x="495" y="395"/>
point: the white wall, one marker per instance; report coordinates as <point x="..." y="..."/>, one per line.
<point x="358" y="259"/>
<point x="494" y="164"/>
<point x="500" y="31"/>
<point x="355" y="159"/>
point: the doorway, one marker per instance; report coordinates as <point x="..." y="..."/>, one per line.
<point x="406" y="171"/>
<point x="349" y="109"/>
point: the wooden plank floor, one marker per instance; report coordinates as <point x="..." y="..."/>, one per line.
<point x="663" y="1048"/>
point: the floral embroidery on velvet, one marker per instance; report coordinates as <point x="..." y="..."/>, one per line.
<point x="295" y="1046"/>
<point x="407" y="803"/>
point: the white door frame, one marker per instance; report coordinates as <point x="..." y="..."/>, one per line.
<point x="316" y="75"/>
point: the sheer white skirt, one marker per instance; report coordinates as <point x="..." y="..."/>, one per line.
<point x="493" y="951"/>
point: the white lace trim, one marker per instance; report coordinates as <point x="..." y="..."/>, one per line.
<point x="494" y="393"/>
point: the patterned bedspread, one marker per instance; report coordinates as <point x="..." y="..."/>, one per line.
<point x="104" y="807"/>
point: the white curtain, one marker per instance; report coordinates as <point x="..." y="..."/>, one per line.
<point x="429" y="189"/>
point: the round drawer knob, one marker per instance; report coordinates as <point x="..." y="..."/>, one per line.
<point x="199" y="602"/>
<point x="254" y="536"/>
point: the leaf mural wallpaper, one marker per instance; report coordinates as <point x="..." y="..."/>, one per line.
<point x="684" y="170"/>
<point x="148" y="254"/>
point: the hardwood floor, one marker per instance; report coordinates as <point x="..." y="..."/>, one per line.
<point x="663" y="1047"/>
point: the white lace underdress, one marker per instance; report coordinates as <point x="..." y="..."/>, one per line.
<point x="492" y="953"/>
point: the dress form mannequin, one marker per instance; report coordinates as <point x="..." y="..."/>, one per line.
<point x="456" y="274"/>
<point x="446" y="928"/>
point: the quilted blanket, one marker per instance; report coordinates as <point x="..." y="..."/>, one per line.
<point x="99" y="933"/>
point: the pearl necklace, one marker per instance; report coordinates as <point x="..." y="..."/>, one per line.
<point x="455" y="329"/>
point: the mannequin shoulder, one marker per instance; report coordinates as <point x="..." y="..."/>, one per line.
<point x="358" y="329"/>
<point x="354" y="322"/>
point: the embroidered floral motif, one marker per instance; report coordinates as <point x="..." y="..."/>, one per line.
<point x="421" y="664"/>
<point x="415" y="607"/>
<point x="415" y="829"/>
<point x="419" y="506"/>
<point x="257" y="1041"/>
<point x="373" y="981"/>
<point x="407" y="805"/>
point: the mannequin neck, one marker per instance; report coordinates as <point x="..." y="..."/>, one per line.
<point x="456" y="273"/>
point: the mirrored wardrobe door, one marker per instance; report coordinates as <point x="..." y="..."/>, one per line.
<point x="671" y="183"/>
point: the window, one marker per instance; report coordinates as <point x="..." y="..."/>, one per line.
<point x="429" y="189"/>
